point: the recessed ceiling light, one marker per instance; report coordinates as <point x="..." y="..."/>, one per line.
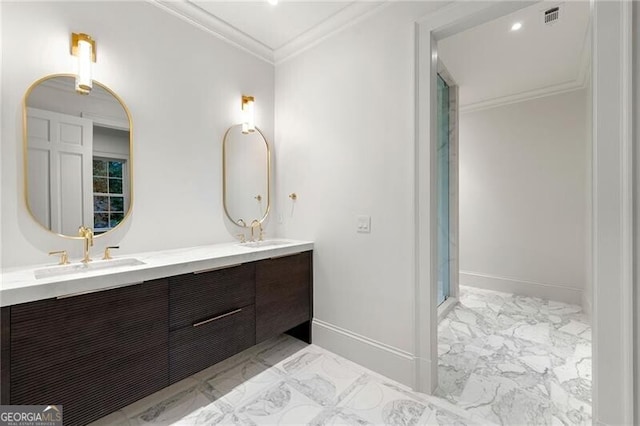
<point x="273" y="2"/>
<point x="516" y="26"/>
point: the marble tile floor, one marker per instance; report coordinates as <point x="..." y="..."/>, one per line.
<point x="504" y="359"/>
<point x="286" y="382"/>
<point x="516" y="360"/>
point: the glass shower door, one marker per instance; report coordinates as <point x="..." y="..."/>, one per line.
<point x="443" y="194"/>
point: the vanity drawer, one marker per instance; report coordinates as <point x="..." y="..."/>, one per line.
<point x="214" y="339"/>
<point x="87" y="328"/>
<point x="198" y="296"/>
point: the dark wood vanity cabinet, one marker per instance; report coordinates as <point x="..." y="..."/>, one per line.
<point x="211" y="317"/>
<point x="96" y="353"/>
<point x="284" y="297"/>
<point x="92" y="353"/>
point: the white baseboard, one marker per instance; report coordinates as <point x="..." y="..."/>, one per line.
<point x="524" y="288"/>
<point x="427" y="382"/>
<point x="379" y="357"/>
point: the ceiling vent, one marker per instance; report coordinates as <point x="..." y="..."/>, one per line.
<point x="551" y="16"/>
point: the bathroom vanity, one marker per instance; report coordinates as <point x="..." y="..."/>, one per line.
<point x="97" y="336"/>
<point x="94" y="348"/>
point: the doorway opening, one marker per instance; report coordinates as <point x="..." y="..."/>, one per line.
<point x="513" y="153"/>
<point x="612" y="227"/>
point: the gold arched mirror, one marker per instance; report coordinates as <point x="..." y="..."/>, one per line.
<point x="246" y="170"/>
<point x="78" y="155"/>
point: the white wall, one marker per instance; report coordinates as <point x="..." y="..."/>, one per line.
<point x="183" y="89"/>
<point x="345" y="145"/>
<point x="636" y="130"/>
<point x="587" y="294"/>
<point x="524" y="197"/>
<point x="1" y="136"/>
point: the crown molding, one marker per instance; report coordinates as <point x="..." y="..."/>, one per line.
<point x="344" y="18"/>
<point x="202" y="19"/>
<point x="581" y="81"/>
<point x="527" y="95"/>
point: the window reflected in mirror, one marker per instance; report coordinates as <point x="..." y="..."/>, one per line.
<point x="109" y="198"/>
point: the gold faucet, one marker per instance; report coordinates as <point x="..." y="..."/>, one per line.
<point x="107" y="252"/>
<point x="255" y="223"/>
<point x="87" y="234"/>
<point x="64" y="257"/>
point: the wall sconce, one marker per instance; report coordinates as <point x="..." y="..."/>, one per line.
<point x="248" y="124"/>
<point x="84" y="47"/>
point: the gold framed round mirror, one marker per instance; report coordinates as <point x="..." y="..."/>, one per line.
<point x="78" y="155"/>
<point x="246" y="176"/>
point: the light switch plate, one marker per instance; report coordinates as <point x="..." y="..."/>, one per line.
<point x="364" y="224"/>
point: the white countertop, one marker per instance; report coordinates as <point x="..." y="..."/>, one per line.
<point x="19" y="285"/>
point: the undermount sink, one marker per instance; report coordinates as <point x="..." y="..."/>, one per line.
<point x="266" y="243"/>
<point x="76" y="268"/>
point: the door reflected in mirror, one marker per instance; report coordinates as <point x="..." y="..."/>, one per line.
<point x="246" y="174"/>
<point x="77" y="156"/>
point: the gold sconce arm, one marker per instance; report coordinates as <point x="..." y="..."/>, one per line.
<point x="76" y="38"/>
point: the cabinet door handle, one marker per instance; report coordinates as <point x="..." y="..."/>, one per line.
<point x="198" y="324"/>
<point x="82" y="293"/>
<point x="281" y="256"/>
<point x="204" y="271"/>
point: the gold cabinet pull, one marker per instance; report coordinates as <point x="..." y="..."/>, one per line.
<point x="198" y="324"/>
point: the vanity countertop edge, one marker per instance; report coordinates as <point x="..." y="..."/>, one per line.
<point x="19" y="284"/>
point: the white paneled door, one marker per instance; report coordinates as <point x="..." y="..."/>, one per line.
<point x="59" y="185"/>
